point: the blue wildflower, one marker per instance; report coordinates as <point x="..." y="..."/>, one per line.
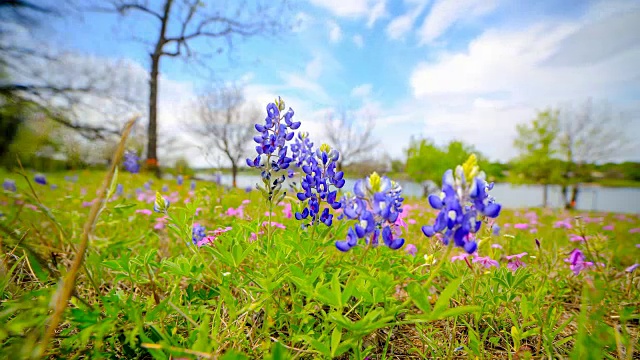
<point x="320" y="183"/>
<point x="193" y="185"/>
<point x="165" y="188"/>
<point x="301" y="149"/>
<point x="119" y="189"/>
<point x="179" y="179"/>
<point x="9" y="185"/>
<point x="274" y="134"/>
<point x="40" y="179"/>
<point x="376" y="205"/>
<point x="131" y="162"/>
<point x="198" y="233"/>
<point x="161" y="204"/>
<point x="462" y="204"/>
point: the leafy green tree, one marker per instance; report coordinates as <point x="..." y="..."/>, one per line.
<point x="537" y="146"/>
<point x="427" y="162"/>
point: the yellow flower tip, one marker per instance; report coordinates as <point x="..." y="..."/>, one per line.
<point x="325" y="148"/>
<point x="374" y="182"/>
<point x="470" y="167"/>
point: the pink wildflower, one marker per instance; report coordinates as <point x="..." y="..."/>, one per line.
<point x="246" y="201"/>
<point x="514" y="261"/>
<point x="254" y="236"/>
<point x="634" y="230"/>
<point x="576" y="261"/>
<point x="496" y="246"/>
<point x="563" y="224"/>
<point x="607" y="227"/>
<point x="144" y="211"/>
<point x="576" y="237"/>
<point x="521" y="226"/>
<point x="273" y="224"/>
<point x="486" y="261"/>
<point x="461" y="257"/>
<point x="411" y="249"/>
<point x="287" y="211"/>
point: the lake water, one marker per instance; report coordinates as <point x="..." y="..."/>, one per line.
<point x="621" y="200"/>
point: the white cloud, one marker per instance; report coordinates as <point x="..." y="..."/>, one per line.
<point x="310" y="88"/>
<point x="505" y="76"/>
<point x="401" y="25"/>
<point x="377" y="11"/>
<point x="358" y="41"/>
<point x="314" y="67"/>
<point x="372" y="10"/>
<point x="361" y="91"/>
<point x="335" y="33"/>
<point x="446" y="13"/>
<point x="301" y="22"/>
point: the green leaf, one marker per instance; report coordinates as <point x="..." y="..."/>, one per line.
<point x="336" y="335"/>
<point x="38" y="270"/>
<point x="443" y="300"/>
<point x="335" y="287"/>
<point x="419" y="297"/>
<point x="458" y="310"/>
<point x="278" y="352"/>
<point x="233" y="355"/>
<point x="202" y="340"/>
<point x="112" y="187"/>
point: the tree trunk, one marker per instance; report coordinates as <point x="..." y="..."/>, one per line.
<point x="545" y="193"/>
<point x="234" y="173"/>
<point x="152" y="130"/>
<point x="574" y="196"/>
<point x="152" y="145"/>
<point x="565" y="194"/>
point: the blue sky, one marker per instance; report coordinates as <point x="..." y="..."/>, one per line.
<point x="444" y="69"/>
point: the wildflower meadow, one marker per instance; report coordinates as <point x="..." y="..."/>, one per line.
<point x="121" y="265"/>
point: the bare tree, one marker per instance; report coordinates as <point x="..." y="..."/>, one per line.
<point x="183" y="26"/>
<point x="590" y="135"/>
<point x="39" y="83"/>
<point x="225" y="122"/>
<point x="351" y="136"/>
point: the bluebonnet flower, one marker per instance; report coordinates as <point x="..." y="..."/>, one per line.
<point x="272" y="139"/>
<point x="165" y="188"/>
<point x="131" y="162"/>
<point x="119" y="189"/>
<point x="376" y="204"/>
<point x="9" y="185"/>
<point x="193" y="185"/>
<point x="54" y="186"/>
<point x="272" y="151"/>
<point x="72" y="179"/>
<point x="463" y="203"/>
<point x="198" y="233"/>
<point x="301" y="149"/>
<point x="147" y="185"/>
<point x="40" y="179"/>
<point x="179" y="179"/>
<point x="320" y="176"/>
<point x="161" y="204"/>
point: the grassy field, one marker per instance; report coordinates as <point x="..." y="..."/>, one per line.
<point x="145" y="290"/>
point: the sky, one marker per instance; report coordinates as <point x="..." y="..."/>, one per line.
<point x="469" y="70"/>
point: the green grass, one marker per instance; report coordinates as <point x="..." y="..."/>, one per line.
<point x="150" y="293"/>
